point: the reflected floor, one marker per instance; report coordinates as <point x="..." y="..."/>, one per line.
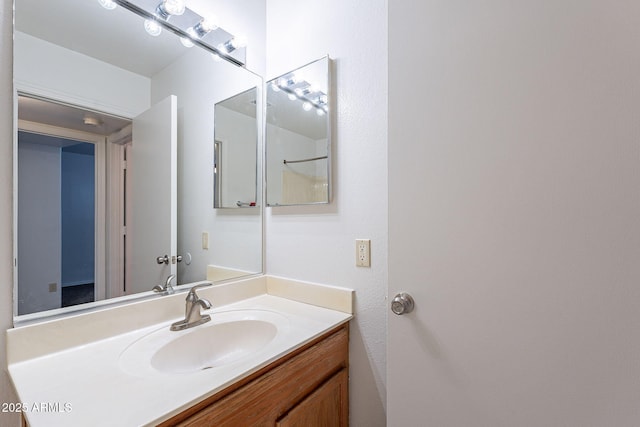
<point x="78" y="294"/>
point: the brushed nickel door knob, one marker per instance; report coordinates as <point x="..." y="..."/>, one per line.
<point x="402" y="304"/>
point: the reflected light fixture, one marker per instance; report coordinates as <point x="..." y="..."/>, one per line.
<point x="108" y="4"/>
<point x="91" y="121"/>
<point x="186" y="42"/>
<point x="308" y="93"/>
<point x="290" y="80"/>
<point x="152" y="27"/>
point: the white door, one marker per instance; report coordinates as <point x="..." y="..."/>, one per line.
<point x="151" y="214"/>
<point x="514" y="213"/>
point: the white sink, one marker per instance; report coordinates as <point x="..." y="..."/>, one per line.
<point x="230" y="337"/>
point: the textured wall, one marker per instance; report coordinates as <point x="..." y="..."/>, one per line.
<point x="317" y="243"/>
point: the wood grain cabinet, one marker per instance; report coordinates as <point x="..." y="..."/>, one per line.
<point x="307" y="388"/>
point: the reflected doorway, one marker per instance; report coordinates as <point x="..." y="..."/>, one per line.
<point x="70" y="205"/>
<point x="56" y="225"/>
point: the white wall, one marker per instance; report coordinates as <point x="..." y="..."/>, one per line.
<point x="514" y="131"/>
<point x="317" y="243"/>
<point x="45" y="69"/>
<point x="40" y="236"/>
<point x="6" y="203"/>
<point x="235" y="235"/>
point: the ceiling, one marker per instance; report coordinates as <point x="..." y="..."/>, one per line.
<point x="113" y="36"/>
<point x="61" y="115"/>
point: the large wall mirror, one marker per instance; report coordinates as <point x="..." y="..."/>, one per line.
<point x="298" y="138"/>
<point x="114" y="150"/>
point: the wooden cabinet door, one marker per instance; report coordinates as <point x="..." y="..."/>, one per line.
<point x="327" y="406"/>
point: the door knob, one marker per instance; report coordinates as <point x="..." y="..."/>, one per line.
<point x="163" y="259"/>
<point x="402" y="304"/>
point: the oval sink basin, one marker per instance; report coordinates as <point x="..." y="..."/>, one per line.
<point x="229" y="337"/>
<point x="212" y="346"/>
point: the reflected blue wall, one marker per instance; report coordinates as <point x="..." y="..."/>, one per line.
<point x="78" y="213"/>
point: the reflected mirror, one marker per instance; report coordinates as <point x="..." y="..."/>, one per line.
<point x="298" y="137"/>
<point x="113" y="154"/>
<point x="235" y="153"/>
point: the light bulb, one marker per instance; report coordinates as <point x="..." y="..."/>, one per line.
<point x="186" y="42"/>
<point x="235" y="43"/>
<point x="108" y="4"/>
<point x="292" y="96"/>
<point x="320" y="111"/>
<point x="202" y="28"/>
<point x="306" y="106"/>
<point x="152" y="27"/>
<point x="208" y="23"/>
<point x="275" y="87"/>
<point x="238" y="42"/>
<point x="174" y="7"/>
<point x="323" y="98"/>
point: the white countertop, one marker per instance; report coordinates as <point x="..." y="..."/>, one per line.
<point x="84" y="384"/>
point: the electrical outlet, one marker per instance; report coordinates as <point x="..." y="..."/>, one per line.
<point x="363" y="253"/>
<point x="205" y="240"/>
<point x="53" y="287"/>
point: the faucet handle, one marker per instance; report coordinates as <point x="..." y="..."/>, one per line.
<point x="192" y="296"/>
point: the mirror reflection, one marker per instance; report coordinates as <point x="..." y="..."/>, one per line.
<point x="298" y="136"/>
<point x="114" y="153"/>
<point x="235" y="153"/>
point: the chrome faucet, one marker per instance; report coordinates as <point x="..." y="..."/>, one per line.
<point x="192" y="315"/>
<point x="167" y="288"/>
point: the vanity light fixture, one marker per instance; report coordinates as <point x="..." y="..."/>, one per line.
<point x="171" y="7"/>
<point x="203" y="27"/>
<point x="190" y="27"/>
<point x="108" y="4"/>
<point x="235" y="43"/>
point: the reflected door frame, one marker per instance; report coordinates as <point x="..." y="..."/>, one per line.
<point x="100" y="194"/>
